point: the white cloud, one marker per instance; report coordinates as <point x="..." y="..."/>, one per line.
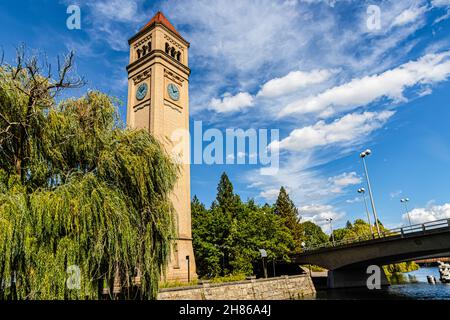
<point x="293" y="81"/>
<point x="395" y="194"/>
<point x="116" y="10"/>
<point x="443" y="17"/>
<point x="305" y="149"/>
<point x="318" y="213"/>
<point x="440" y="3"/>
<point x="343" y="180"/>
<point x="231" y="35"/>
<point x="425" y="92"/>
<point x="230" y="103"/>
<point x="270" y="195"/>
<point x="431" y="213"/>
<point x="349" y="128"/>
<point x="304" y="185"/>
<point x="354" y="200"/>
<point x="111" y="21"/>
<point x="346" y="179"/>
<point x="429" y="69"/>
<point x="409" y="15"/>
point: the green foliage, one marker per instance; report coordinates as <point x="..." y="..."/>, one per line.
<point x="285" y="208"/>
<point x="402" y="267"/>
<point x="229" y="278"/>
<point x="313" y="234"/>
<point x="227" y="237"/>
<point x="227" y="201"/>
<point x="176" y="284"/>
<point x="315" y="268"/>
<point x="357" y="229"/>
<point x="77" y="189"/>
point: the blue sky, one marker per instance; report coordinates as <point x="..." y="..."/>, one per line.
<point x="331" y="78"/>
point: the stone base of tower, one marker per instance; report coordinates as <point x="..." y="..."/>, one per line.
<point x="181" y="267"/>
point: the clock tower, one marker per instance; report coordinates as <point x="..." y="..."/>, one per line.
<point x="158" y="101"/>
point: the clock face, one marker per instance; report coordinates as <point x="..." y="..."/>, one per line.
<point x="173" y="91"/>
<point x="141" y="91"/>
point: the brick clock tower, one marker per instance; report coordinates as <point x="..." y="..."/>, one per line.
<point x="158" y="101"/>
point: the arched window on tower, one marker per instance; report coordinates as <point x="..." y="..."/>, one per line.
<point x="149" y="44"/>
<point x="179" y="56"/>
<point x="139" y="52"/>
<point x="144" y="50"/>
<point x="167" y="48"/>
<point x="172" y="52"/>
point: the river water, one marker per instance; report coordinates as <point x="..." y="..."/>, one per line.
<point x="407" y="286"/>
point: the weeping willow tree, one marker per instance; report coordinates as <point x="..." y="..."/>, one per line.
<point x="78" y="192"/>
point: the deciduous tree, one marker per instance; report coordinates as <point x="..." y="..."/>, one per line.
<point x="77" y="189"/>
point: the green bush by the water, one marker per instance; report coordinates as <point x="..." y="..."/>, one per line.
<point x="400" y="267"/>
<point x="229" y="278"/>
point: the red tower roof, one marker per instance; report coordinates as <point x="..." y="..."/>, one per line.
<point x="160" y="18"/>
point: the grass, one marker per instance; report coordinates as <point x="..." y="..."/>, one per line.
<point x="174" y="284"/>
<point x="315" y="268"/>
<point x="228" y="278"/>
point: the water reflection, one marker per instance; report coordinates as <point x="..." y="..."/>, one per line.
<point x="412" y="285"/>
<point x="402" y="278"/>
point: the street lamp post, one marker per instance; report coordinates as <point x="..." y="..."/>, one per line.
<point x="264" y="261"/>
<point x="363" y="155"/>
<point x="331" y="228"/>
<point x="405" y="202"/>
<point x="363" y="192"/>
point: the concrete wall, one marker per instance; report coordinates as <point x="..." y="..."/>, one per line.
<point x="280" y="288"/>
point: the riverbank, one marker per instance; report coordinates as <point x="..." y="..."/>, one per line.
<point x="278" y="288"/>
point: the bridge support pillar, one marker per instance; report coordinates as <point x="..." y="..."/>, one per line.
<point x="354" y="277"/>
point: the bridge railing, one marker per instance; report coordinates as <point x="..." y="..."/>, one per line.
<point x="402" y="232"/>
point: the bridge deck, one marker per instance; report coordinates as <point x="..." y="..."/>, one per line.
<point x="427" y="240"/>
<point x="442" y="225"/>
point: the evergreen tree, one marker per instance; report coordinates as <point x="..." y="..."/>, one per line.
<point x="227" y="237"/>
<point x="251" y="204"/>
<point x="197" y="208"/>
<point x="226" y="200"/>
<point x="285" y="208"/>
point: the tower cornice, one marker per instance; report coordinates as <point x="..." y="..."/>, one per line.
<point x="158" y="54"/>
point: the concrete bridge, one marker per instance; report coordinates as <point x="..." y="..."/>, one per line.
<point x="347" y="260"/>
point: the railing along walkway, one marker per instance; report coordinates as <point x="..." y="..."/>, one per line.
<point x="402" y="232"/>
